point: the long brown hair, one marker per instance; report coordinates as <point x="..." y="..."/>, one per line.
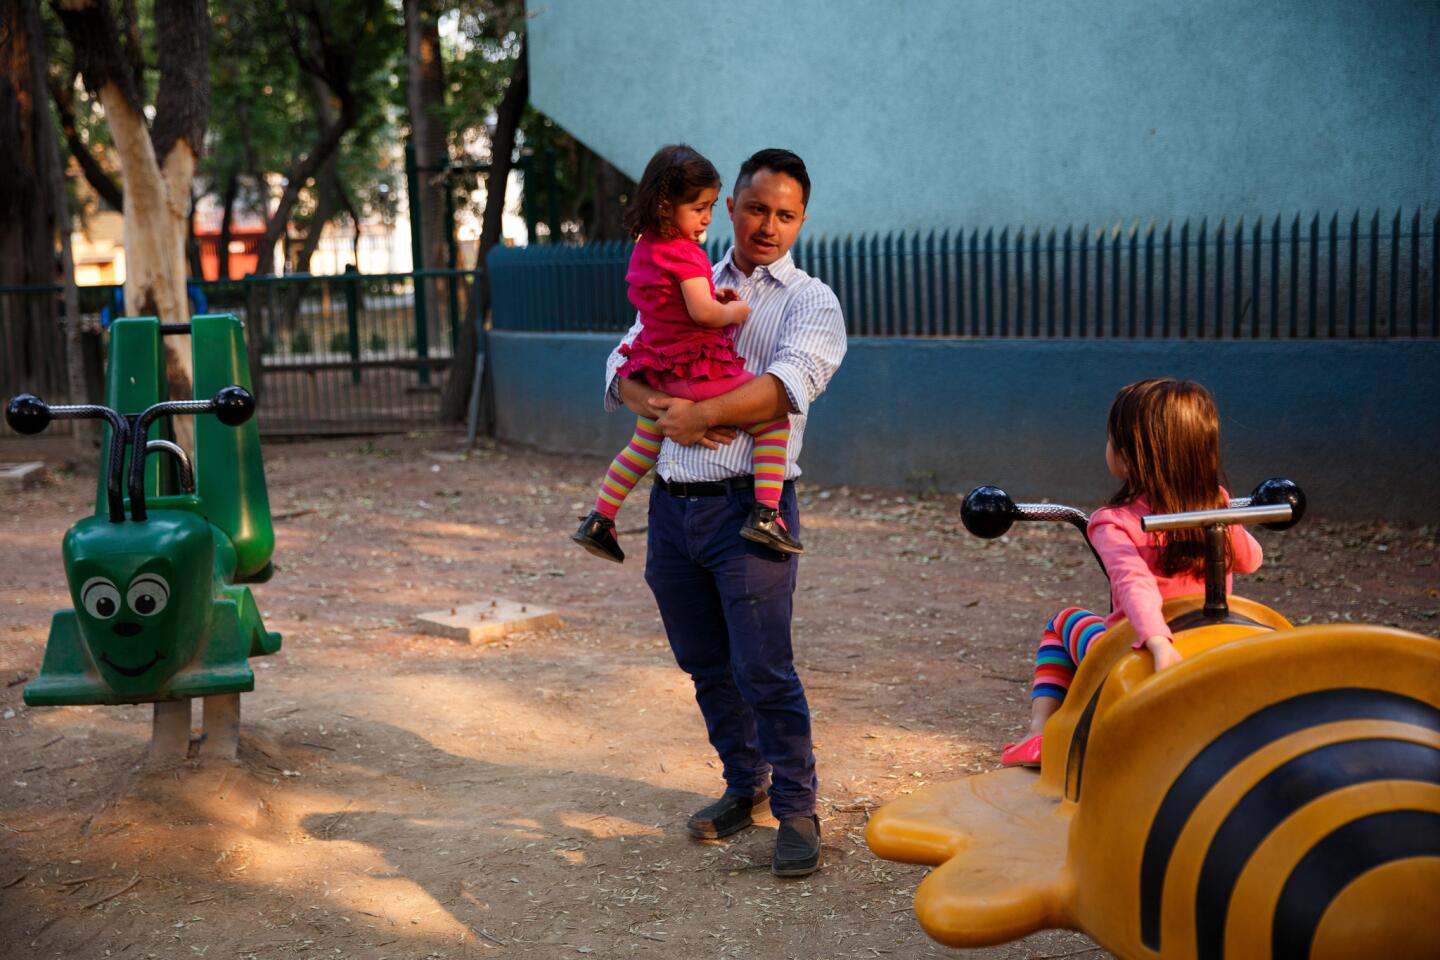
<point x="675" y="175"/>
<point x="1167" y="434"/>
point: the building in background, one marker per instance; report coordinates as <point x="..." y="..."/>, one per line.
<point x="948" y="113"/>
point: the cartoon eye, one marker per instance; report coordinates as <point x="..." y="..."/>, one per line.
<point x="100" y="598"/>
<point x="148" y="594"/>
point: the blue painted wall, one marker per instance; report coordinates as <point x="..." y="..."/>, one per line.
<point x="914" y="114"/>
<point x="1356" y="424"/>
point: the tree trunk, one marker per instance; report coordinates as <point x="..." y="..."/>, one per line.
<point x="426" y="96"/>
<point x="348" y="203"/>
<point x="502" y="144"/>
<point x="87" y="432"/>
<point x="194" y="268"/>
<point x="327" y="186"/>
<point x="31" y="338"/>
<point x="157" y="170"/>
<point x="227" y="220"/>
<point x="299" y="175"/>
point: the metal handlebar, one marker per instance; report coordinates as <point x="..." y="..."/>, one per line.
<point x="1231" y="516"/>
<point x="1052" y="511"/>
<point x="233" y="405"/>
<point x="182" y="462"/>
<point x="988" y="512"/>
<point x="29" y="414"/>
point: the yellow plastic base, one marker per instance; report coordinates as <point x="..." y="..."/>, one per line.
<point x="1276" y="793"/>
<point x="1000" y="845"/>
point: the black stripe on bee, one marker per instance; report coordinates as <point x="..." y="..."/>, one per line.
<point x="1079" y="739"/>
<point x="1233" y="746"/>
<point x="1351" y="850"/>
<point x="1275" y="797"/>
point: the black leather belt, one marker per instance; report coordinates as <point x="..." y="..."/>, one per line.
<point x="708" y="488"/>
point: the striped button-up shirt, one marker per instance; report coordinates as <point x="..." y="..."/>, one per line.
<point x="795" y="333"/>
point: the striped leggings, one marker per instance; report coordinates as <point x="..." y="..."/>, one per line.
<point x="1067" y="637"/>
<point x="767" y="460"/>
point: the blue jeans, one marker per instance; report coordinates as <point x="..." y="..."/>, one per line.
<point x="726" y="604"/>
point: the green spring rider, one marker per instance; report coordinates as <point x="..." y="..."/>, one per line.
<point x="161" y="611"/>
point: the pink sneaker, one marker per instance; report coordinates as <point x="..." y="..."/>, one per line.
<point x="1026" y="753"/>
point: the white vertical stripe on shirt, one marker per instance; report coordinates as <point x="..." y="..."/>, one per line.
<point x="795" y="332"/>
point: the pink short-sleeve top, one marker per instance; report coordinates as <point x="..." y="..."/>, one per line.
<point x="670" y="345"/>
<point x="1137" y="589"/>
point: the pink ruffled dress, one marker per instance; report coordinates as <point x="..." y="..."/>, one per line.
<point x="670" y="346"/>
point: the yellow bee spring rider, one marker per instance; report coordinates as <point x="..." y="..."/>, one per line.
<point x="1291" y="808"/>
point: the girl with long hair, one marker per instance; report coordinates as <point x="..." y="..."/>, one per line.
<point x="1163" y="445"/>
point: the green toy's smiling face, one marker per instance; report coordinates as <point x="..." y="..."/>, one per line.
<point x="140" y="605"/>
<point x="143" y="596"/>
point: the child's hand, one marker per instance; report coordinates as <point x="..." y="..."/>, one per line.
<point x="1164" y="652"/>
<point x="737" y="312"/>
<point x="726" y="294"/>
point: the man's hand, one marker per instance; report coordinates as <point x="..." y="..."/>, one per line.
<point x="726" y="294"/>
<point x="684" y="422"/>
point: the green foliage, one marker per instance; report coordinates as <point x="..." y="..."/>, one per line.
<point x="559" y="171"/>
<point x="257" y="116"/>
<point x="377" y="342"/>
<point x="339" y="342"/>
<point x="266" y="110"/>
<point x="302" y="342"/>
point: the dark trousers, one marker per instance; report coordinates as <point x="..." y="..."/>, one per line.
<point x="726" y="604"/>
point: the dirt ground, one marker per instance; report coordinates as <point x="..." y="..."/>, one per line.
<point x="406" y="796"/>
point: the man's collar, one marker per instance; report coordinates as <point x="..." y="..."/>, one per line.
<point x="782" y="271"/>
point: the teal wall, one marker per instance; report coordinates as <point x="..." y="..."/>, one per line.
<point x="914" y="114"/>
<point x="1357" y="424"/>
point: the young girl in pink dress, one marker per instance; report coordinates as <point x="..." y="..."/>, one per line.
<point x="1164" y="447"/>
<point x="686" y="344"/>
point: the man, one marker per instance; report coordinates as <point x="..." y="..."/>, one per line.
<point x="726" y="602"/>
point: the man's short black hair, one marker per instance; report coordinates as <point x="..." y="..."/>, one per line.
<point x="780" y="161"/>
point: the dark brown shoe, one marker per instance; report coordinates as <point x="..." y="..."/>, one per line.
<point x="730" y="814"/>
<point x="764" y="526"/>
<point x="797" y="847"/>
<point x="597" y="534"/>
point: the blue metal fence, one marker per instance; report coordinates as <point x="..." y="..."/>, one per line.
<point x="1290" y="277"/>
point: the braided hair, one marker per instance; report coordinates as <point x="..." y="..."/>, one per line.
<point x="675" y="175"/>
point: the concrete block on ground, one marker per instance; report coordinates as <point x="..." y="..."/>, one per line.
<point x="17" y="476"/>
<point x="487" y="621"/>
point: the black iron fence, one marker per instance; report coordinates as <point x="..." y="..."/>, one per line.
<point x="1295" y="277"/>
<point x="328" y="354"/>
<point x="362" y="353"/>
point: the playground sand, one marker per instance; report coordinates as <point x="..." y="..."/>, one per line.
<point x="400" y="795"/>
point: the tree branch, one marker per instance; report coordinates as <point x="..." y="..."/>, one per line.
<point x="335" y="68"/>
<point x="93" y="32"/>
<point x="100" y="181"/>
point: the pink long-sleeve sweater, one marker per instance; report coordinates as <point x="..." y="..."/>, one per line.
<point x="1137" y="589"/>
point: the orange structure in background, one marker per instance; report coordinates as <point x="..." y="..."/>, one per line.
<point x="244" y="251"/>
